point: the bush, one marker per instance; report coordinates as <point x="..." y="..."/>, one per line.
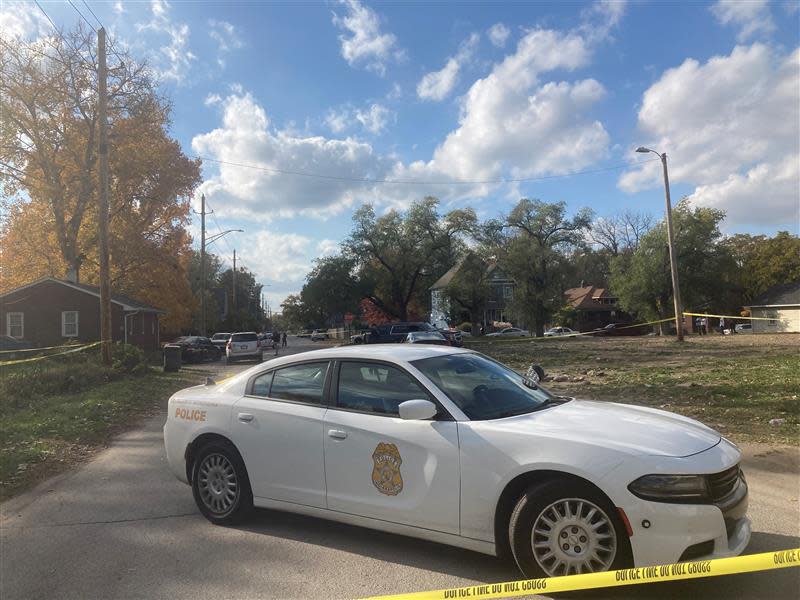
<point x="126" y="358"/>
<point x="466" y="326"/>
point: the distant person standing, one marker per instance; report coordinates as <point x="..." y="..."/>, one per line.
<point x="283" y="340"/>
<point x="722" y="325"/>
<point x="276" y="340"/>
<point x="704" y="325"/>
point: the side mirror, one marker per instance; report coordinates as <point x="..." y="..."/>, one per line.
<point x="535" y="373"/>
<point x="417" y="410"/>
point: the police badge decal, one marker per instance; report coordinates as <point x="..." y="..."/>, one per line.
<point x="386" y="475"/>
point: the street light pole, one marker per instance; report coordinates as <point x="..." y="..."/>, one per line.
<point x="673" y="259"/>
<point x="203" y="244"/>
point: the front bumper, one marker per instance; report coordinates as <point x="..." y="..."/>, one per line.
<point x="669" y="533"/>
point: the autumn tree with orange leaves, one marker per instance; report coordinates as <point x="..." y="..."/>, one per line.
<point x="49" y="173"/>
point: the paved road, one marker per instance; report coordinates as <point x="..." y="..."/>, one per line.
<point x="122" y="527"/>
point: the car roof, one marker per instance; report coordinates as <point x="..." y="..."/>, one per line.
<point x="388" y="352"/>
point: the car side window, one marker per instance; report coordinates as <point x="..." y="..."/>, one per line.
<point x="300" y="383"/>
<point x="261" y="385"/>
<point x="377" y="388"/>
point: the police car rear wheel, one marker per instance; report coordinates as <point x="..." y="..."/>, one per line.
<point x="565" y="527"/>
<point x="220" y="484"/>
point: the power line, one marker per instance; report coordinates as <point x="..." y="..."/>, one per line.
<point x="85" y="20"/>
<point x="89" y="8"/>
<point x="419" y="182"/>
<point x="63" y="39"/>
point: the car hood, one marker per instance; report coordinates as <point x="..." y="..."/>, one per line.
<point x="632" y="429"/>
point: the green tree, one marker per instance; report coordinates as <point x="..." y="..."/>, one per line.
<point x="533" y="242"/>
<point x="244" y="307"/>
<point x="706" y="269"/>
<point x="764" y="262"/>
<point x="331" y="289"/>
<point x="294" y="313"/>
<point x="400" y="254"/>
<point x="469" y="289"/>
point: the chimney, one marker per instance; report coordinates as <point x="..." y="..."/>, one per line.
<point x="72" y="275"/>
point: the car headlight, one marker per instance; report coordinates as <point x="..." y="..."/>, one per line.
<point x="685" y="489"/>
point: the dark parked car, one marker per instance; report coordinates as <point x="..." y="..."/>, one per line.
<point x="614" y="329"/>
<point x="395" y="332"/>
<point x="195" y="348"/>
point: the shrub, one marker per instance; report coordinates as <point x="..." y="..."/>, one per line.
<point x="126" y="358"/>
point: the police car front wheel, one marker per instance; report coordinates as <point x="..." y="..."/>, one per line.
<point x="564" y="527"/>
<point x="220" y="484"/>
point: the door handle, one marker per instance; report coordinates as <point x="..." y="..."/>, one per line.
<point x="246" y="417"/>
<point x="337" y="434"/>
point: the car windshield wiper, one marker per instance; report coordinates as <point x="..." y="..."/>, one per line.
<point x="554" y="401"/>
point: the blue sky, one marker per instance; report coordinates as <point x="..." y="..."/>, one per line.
<point x="442" y="93"/>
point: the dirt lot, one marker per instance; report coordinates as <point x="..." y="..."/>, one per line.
<point x="736" y="384"/>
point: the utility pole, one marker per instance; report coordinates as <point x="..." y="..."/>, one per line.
<point x="105" y="276"/>
<point x="234" y="286"/>
<point x="673" y="259"/>
<point x="202" y="264"/>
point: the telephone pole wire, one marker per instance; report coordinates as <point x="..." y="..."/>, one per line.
<point x="106" y="331"/>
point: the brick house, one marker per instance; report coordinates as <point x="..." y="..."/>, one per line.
<point x="51" y="311"/>
<point x="595" y="307"/>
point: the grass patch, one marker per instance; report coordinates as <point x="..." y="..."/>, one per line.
<point x="736" y="384"/>
<point x="55" y="413"/>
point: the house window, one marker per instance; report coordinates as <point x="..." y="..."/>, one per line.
<point x="15" y="325"/>
<point x="69" y="323"/>
<point x="773" y="316"/>
<point x="508" y="292"/>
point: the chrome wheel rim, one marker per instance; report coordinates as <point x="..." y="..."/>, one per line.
<point x="217" y="483"/>
<point x="573" y="536"/>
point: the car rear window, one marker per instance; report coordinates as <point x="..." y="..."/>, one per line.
<point x="244" y="337"/>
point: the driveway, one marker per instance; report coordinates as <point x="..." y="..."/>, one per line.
<point x="121" y="526"/>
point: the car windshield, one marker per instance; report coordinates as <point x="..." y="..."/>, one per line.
<point x="482" y="388"/>
<point x="221" y="336"/>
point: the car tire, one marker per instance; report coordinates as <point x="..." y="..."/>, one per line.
<point x="584" y="523"/>
<point x="220" y="484"/>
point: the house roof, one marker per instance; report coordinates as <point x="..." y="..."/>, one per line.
<point x="126" y="302"/>
<point x="587" y="297"/>
<point x="445" y="279"/>
<point x="787" y="294"/>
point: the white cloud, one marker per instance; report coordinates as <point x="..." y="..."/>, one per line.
<point x="212" y="99"/>
<point x="327" y="247"/>
<point x="174" y="60"/>
<point x="364" y="43"/>
<point x="118" y="7"/>
<point x="275" y="256"/>
<point x="338" y="120"/>
<point x="752" y="17"/>
<point x="727" y="125"/>
<point x="226" y="37"/>
<point x="375" y="118"/>
<point x="768" y="194"/>
<point x="437" y="85"/>
<point x="247" y="136"/>
<point x="498" y="34"/>
<point x="513" y="123"/>
<point x="601" y="18"/>
<point x="22" y="21"/>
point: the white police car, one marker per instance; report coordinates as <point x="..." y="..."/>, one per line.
<point x="448" y="445"/>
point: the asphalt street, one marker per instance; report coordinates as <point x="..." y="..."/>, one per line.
<point x="121" y="526"/>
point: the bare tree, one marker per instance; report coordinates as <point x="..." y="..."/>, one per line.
<point x="620" y="233"/>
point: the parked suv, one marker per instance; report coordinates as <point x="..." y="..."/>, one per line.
<point x="244" y="344"/>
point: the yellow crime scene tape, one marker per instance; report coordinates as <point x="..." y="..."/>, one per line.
<point x="35" y="358"/>
<point x="691" y="314"/>
<point x="35" y="349"/>
<point x="672" y="572"/>
<point x="561" y="337"/>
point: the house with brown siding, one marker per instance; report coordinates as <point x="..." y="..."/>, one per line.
<point x="50" y="312"/>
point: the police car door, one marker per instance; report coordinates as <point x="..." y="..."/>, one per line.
<point x="380" y="466"/>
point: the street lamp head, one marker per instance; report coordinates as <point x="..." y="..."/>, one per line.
<point x="643" y="149"/>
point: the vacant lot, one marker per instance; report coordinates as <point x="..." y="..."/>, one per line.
<point x="736" y="384"/>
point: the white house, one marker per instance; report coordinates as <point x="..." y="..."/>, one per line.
<point x="781" y="306"/>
